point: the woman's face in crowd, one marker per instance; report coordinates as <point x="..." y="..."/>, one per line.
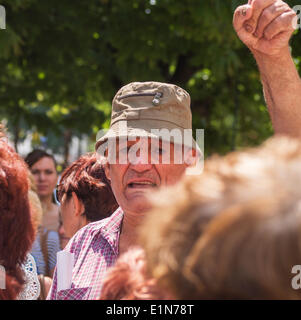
<point x="45" y="176"/>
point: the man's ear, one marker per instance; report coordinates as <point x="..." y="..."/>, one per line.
<point x="106" y="167"/>
<point x="78" y="205"/>
<point x="194" y="161"/>
<point x="190" y="157"/>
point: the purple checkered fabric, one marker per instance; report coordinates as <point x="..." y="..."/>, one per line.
<point x="95" y="249"/>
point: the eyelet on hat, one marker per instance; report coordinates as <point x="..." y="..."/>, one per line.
<point x="157" y="98"/>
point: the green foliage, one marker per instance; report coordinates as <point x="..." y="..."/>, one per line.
<point x="62" y="62"/>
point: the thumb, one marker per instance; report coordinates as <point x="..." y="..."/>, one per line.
<point x="241" y="15"/>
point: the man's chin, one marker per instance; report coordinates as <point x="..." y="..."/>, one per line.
<point x="138" y="196"/>
<point x="138" y="201"/>
<point x="139" y="207"/>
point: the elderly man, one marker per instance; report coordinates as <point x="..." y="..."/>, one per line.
<point x="140" y="111"/>
<point x="136" y="153"/>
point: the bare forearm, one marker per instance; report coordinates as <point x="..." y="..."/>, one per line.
<point x="282" y="91"/>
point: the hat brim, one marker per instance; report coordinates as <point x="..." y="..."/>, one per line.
<point x="165" y="131"/>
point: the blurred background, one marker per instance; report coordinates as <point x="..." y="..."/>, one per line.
<point x="62" y="61"/>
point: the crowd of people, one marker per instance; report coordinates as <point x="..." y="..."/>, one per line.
<point x="138" y="227"/>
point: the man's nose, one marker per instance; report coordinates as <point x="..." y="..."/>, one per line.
<point x="141" y="162"/>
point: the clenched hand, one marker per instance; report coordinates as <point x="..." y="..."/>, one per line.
<point x="265" y="26"/>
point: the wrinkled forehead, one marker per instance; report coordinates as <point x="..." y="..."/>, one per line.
<point x="155" y="150"/>
<point x="146" y="150"/>
<point x="143" y="141"/>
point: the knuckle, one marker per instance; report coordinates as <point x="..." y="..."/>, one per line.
<point x="276" y="8"/>
<point x="282" y="20"/>
<point x="292" y="14"/>
<point x="279" y="7"/>
<point x="257" y="3"/>
<point x="267" y="14"/>
<point x="287" y="18"/>
<point x="256" y="6"/>
<point x="277" y="23"/>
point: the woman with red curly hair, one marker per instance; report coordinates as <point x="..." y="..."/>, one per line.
<point x="16" y="229"/>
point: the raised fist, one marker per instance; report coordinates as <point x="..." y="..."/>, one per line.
<point x="265" y="26"/>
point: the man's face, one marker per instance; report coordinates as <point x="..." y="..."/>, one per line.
<point x="133" y="180"/>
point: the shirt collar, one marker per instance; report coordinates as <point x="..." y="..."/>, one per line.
<point x="110" y="229"/>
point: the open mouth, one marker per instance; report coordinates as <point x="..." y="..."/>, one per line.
<point x="141" y="184"/>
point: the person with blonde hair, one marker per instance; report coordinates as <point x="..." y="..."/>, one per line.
<point x="36" y="207"/>
<point x="232" y="233"/>
<point x="37" y="215"/>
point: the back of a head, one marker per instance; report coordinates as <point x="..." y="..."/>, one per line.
<point x="128" y="279"/>
<point x="16" y="229"/>
<point x="248" y="252"/>
<point x="170" y="231"/>
<point x="233" y="232"/>
<point x="87" y="179"/>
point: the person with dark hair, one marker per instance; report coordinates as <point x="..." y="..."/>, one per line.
<point x="85" y="194"/>
<point x="43" y="168"/>
<point x="46" y="245"/>
<point x="16" y="226"/>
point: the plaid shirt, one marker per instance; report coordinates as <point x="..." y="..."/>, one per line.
<point x="95" y="249"/>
